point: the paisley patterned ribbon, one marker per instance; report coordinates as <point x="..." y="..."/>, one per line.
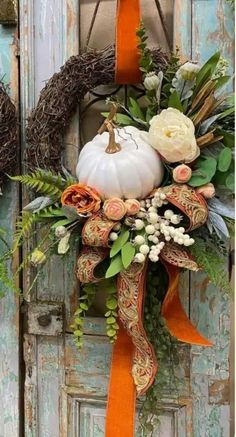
<point x="132" y="352"/>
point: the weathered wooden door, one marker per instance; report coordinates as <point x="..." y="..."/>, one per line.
<point x="65" y="390"/>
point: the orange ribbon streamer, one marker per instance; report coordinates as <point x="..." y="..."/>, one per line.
<point x="127" y="53"/>
<point x="177" y="320"/>
<point x="120" y="416"/>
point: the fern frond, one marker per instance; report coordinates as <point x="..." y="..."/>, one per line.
<point x="23" y="228"/>
<point x="44" y="182"/>
<point x="28" y="219"/>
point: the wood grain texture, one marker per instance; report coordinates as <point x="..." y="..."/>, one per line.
<point x="49" y="35"/>
<point x="210" y="24"/>
<point x="9" y="308"/>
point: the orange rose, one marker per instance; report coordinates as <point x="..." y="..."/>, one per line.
<point x="133" y="206"/>
<point x="207" y="190"/>
<point x="182" y="173"/>
<point x="85" y="199"/>
<point x="114" y="209"/>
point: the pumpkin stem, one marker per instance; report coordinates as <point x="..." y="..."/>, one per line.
<point x="112" y="147"/>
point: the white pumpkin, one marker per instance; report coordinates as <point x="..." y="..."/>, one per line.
<point x="130" y="170"/>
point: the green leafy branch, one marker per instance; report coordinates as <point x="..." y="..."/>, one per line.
<point x="45" y="182"/>
<point x="85" y="301"/>
<point x="211" y="261"/>
<point x="111" y="313"/>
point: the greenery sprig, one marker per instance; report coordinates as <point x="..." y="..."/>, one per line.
<point x="166" y="350"/>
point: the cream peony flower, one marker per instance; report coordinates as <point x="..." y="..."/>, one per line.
<point x="171" y="133"/>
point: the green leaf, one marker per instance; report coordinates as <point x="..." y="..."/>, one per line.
<point x="227" y="112"/>
<point x="62" y="223"/>
<point x="115" y="267"/>
<point x="203" y="172"/>
<point x="111" y="303"/>
<point x="230" y="182"/>
<point x="206" y="72"/>
<point x="127" y="254"/>
<point x="111" y="320"/>
<point x="122" y="119"/>
<point x="228" y="139"/>
<point x="224" y="160"/>
<point x="78" y="333"/>
<point x="108" y="313"/>
<point x="111" y="332"/>
<point x="117" y="245"/>
<point x="84" y="306"/>
<point x="135" y="110"/>
<point x="221" y="81"/>
<point x="174" y="101"/>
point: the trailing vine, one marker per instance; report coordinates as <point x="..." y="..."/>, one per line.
<point x="166" y="350"/>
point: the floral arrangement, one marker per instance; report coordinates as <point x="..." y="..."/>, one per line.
<point x="152" y="190"/>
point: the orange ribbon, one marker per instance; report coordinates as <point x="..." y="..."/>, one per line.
<point x="120" y="416"/>
<point x="127" y="54"/>
<point x="172" y="310"/>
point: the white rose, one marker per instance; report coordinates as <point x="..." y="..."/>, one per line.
<point x="171" y="133"/>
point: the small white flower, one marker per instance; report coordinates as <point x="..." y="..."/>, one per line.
<point x="139" y="258"/>
<point x="168" y="214"/>
<point x="187" y="243"/>
<point x="162" y="196"/>
<point x="175" y="219"/>
<point x="144" y="249"/>
<point x="113" y="236"/>
<point x="151" y="81"/>
<point x="141" y="214"/>
<point x="150" y="229"/>
<point x="153" y="217"/>
<point x="139" y="224"/>
<point x="117" y="227"/>
<point x="139" y="239"/>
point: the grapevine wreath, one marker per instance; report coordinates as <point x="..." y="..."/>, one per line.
<point x="8" y="134"/>
<point x="152" y="192"/>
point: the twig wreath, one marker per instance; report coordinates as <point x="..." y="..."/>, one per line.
<point x="8" y="133"/>
<point x="60" y="97"/>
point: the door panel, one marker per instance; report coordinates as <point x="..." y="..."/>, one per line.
<point x="9" y="206"/>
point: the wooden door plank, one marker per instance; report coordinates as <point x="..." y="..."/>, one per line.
<point x="207" y="26"/>
<point x="9" y="305"/>
<point x="49" y="35"/>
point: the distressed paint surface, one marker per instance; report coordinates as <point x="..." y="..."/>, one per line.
<point x="9" y="315"/>
<point x="211" y="28"/>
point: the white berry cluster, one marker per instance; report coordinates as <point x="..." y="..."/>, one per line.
<point x="157" y="230"/>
